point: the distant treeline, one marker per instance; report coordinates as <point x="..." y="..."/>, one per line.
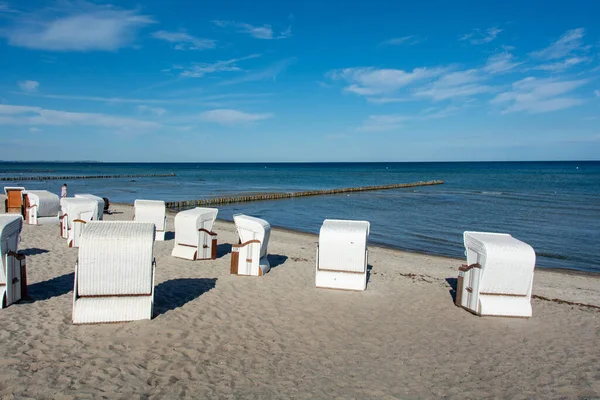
<point x="69" y="177"/>
<point x="277" y="196"/>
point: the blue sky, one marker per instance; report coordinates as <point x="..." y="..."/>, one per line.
<point x="299" y="81"/>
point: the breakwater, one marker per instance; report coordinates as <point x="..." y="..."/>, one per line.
<point x="70" y="177"/>
<point x="288" y="195"/>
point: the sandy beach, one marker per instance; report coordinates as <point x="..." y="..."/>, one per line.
<point x="215" y="335"/>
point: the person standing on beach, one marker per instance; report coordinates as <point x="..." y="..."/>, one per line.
<point x="63" y="191"/>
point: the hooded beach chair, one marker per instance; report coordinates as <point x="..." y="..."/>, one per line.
<point x="100" y="200"/>
<point x="152" y="211"/>
<point x="194" y="238"/>
<point x="41" y="207"/>
<point x="13" y="279"/>
<point x="498" y="277"/>
<point x="114" y="273"/>
<point x="342" y="255"/>
<point x="75" y="214"/>
<point x="250" y="256"/>
<point x="14" y="199"/>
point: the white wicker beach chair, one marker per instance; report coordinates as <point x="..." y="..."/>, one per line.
<point x="41" y="207"/>
<point x="14" y="199"/>
<point x="100" y="200"/>
<point x="13" y="278"/>
<point x="152" y="211"/>
<point x="114" y="273"/>
<point x="194" y="238"/>
<point x="342" y="255"/>
<point x="250" y="256"/>
<point x="75" y="214"/>
<point x="498" y="277"/>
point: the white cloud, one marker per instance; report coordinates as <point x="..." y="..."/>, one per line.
<point x="77" y="27"/>
<point x="200" y="69"/>
<point x="455" y="84"/>
<point x="477" y="36"/>
<point x="568" y="43"/>
<point x="534" y="95"/>
<point x="233" y="117"/>
<point x="34" y="129"/>
<point x="152" y="110"/>
<point x="500" y="63"/>
<point x="382" y="123"/>
<point x="27" y="115"/>
<point x="374" y="81"/>
<point x="270" y="72"/>
<point x="185" y="41"/>
<point x="258" y="32"/>
<point x="597" y="93"/>
<point x="29" y="86"/>
<point x="410" y="40"/>
<point x="562" y="65"/>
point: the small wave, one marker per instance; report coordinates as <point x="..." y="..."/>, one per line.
<point x="492" y="193"/>
<point x="555" y="256"/>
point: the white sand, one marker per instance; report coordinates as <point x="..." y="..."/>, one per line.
<point x="221" y="336"/>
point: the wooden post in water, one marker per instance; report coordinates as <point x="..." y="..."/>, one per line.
<point x="277" y="196"/>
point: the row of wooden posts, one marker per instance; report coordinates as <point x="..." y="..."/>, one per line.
<point x="283" y="195"/>
<point x="69" y="177"/>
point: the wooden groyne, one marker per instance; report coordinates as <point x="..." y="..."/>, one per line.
<point x="288" y="195"/>
<point x="69" y="177"/>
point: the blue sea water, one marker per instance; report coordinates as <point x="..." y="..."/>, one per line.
<point x="554" y="206"/>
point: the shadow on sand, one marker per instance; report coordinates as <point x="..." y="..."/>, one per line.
<point x="51" y="288"/>
<point x="275" y="260"/>
<point x="452" y="282"/>
<point x="175" y="293"/>
<point x="34" y="251"/>
<point x="223" y="249"/>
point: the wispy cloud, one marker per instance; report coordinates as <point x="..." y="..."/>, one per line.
<point x="233" y="117"/>
<point x="455" y="84"/>
<point x="185" y="41"/>
<point x="26" y="115"/>
<point x="29" y="86"/>
<point x="478" y="36"/>
<point x="5" y="8"/>
<point x="77" y="26"/>
<point x="34" y="129"/>
<point x="374" y="81"/>
<point x="387" y="100"/>
<point x="270" y="72"/>
<point x="258" y="32"/>
<point x="158" y="111"/>
<point x="560" y="66"/>
<point x="410" y="40"/>
<point x="570" y="42"/>
<point x="501" y="63"/>
<point x="534" y="95"/>
<point x="382" y="123"/>
<point x="207" y="101"/>
<point x="597" y="93"/>
<point x="198" y="70"/>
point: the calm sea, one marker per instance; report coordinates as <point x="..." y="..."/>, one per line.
<point x="554" y="206"/>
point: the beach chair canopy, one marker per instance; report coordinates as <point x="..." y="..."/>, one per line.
<point x="47" y="204"/>
<point x="100" y="200"/>
<point x="498" y="277"/>
<point x="153" y="211"/>
<point x="343" y="244"/>
<point x="114" y="277"/>
<point x="10" y="229"/>
<point x="252" y="228"/>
